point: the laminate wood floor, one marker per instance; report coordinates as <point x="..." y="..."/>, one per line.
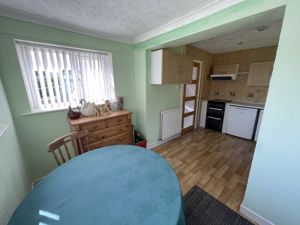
<point x="216" y="162"/>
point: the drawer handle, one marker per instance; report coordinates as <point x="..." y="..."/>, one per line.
<point x="214" y="118"/>
<point x="119" y="120"/>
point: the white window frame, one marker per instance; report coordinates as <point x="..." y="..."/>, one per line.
<point x="27" y="74"/>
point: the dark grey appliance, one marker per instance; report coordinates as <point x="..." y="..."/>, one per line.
<point x="215" y="114"/>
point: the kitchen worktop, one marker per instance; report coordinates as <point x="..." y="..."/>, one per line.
<point x="237" y="103"/>
<point x="250" y="105"/>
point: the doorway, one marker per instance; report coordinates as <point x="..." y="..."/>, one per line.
<point x="190" y="97"/>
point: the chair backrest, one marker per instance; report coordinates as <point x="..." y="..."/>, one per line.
<point x="61" y="147"/>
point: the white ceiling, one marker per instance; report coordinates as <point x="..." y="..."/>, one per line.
<point x="246" y="37"/>
<point x="128" y="21"/>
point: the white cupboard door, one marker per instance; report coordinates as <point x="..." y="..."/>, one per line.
<point x="203" y="113"/>
<point x="225" y="119"/>
<point x="241" y="121"/>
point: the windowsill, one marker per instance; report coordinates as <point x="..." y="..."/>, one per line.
<point x="42" y="112"/>
<point x="3" y="129"/>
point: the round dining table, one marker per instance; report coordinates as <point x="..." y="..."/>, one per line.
<point x="115" y="185"/>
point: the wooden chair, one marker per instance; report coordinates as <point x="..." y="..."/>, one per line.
<point x="78" y="141"/>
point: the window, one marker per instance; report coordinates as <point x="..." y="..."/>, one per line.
<point x="56" y="77"/>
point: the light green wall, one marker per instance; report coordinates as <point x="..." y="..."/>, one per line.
<point x="36" y="131"/>
<point x="14" y="180"/>
<point x="160" y="97"/>
<point x="273" y="189"/>
<point x="140" y="89"/>
<point x="163" y="97"/>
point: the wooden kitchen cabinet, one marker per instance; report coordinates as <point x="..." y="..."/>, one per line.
<point x="105" y="130"/>
<point x="184" y="69"/>
<point x="170" y="68"/>
<point x="260" y="73"/>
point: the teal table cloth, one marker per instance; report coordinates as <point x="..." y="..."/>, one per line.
<point x="116" y="185"/>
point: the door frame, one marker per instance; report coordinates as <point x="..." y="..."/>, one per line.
<point x="200" y="85"/>
<point x="196" y="107"/>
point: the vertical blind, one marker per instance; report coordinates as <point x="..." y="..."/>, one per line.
<point x="56" y="77"/>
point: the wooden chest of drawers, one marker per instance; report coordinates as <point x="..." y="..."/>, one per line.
<point x="106" y="130"/>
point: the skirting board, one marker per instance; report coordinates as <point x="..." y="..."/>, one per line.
<point x="248" y="213"/>
<point x="153" y="145"/>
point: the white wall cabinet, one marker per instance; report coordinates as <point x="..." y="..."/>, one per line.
<point x="240" y="121"/>
<point x="170" y="68"/>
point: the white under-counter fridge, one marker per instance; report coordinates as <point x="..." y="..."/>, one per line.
<point x="239" y="121"/>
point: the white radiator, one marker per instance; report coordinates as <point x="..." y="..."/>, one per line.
<point x="170" y="121"/>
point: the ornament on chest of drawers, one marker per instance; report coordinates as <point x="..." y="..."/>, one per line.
<point x="74" y="113"/>
<point x="87" y="108"/>
<point x="104" y="109"/>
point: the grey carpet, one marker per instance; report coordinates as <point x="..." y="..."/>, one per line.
<point x="201" y="208"/>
